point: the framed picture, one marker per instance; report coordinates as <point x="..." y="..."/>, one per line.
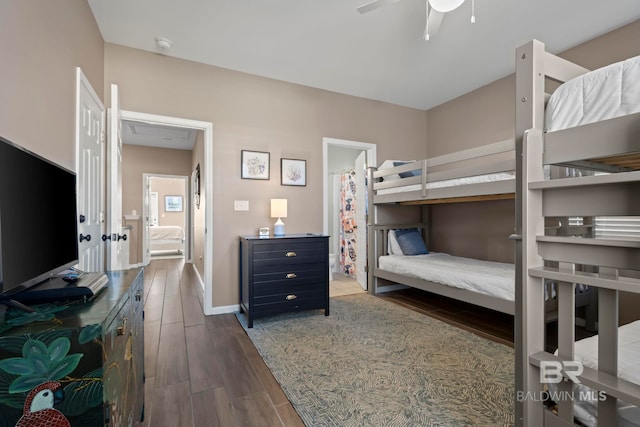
<point x="293" y="172"/>
<point x="173" y="203"/>
<point x="255" y="165"/>
<point x="196" y="186"/>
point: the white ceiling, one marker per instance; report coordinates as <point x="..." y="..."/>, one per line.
<point x="379" y="55"/>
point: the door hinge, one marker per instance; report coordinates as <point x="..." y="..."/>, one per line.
<point x="101" y="216"/>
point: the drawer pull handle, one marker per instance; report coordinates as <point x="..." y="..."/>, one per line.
<point x="120" y="329"/>
<point x="291" y="297"/>
<point x="290" y="254"/>
<point x="291" y="276"/>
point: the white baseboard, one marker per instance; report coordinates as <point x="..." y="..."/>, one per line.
<point x="225" y="309"/>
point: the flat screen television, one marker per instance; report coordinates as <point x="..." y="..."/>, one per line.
<point x="38" y="228"/>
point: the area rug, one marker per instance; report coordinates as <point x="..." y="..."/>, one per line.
<point x="375" y="363"/>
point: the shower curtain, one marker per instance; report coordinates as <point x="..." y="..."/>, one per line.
<point x="348" y="223"/>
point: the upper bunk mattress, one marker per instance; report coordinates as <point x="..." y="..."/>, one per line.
<point x="605" y="93"/>
<point x="477" y="179"/>
<point x="485" y="277"/>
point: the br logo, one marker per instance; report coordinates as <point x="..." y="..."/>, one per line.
<point x="551" y="371"/>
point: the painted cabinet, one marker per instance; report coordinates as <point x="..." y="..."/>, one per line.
<point x="76" y="363"/>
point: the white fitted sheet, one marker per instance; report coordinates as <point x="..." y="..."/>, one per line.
<point x="586" y="351"/>
<point x="484" y="277"/>
<point x="601" y="94"/>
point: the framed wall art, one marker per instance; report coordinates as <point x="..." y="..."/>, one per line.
<point x="254" y="165"/>
<point x="173" y="203"/>
<point x="293" y="172"/>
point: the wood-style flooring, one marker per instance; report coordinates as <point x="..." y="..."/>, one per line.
<point x="204" y="370"/>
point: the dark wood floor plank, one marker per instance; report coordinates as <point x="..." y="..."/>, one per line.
<point x="151" y="341"/>
<point x="158" y="284"/>
<point x="204" y="369"/>
<point x="172" y="406"/>
<point x="153" y="307"/>
<point x="172" y="365"/>
<point x="148" y="400"/>
<point x="255" y="407"/>
<point x="289" y="416"/>
<point x="192" y="310"/>
<point x="268" y="382"/>
<point x="172" y="309"/>
<point x="212" y="408"/>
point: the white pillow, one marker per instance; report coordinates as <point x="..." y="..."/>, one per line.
<point x="393" y="247"/>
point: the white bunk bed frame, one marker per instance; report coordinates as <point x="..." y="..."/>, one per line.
<point x="606" y="195"/>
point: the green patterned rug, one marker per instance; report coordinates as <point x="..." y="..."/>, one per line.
<point x="375" y="363"/>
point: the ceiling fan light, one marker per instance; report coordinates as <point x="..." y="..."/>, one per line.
<point x="445" y="5"/>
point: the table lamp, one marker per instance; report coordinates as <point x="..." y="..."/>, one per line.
<point x="278" y="210"/>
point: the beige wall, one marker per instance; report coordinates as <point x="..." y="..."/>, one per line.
<point x="41" y="44"/>
<point x="255" y="113"/>
<point x="169" y="187"/>
<point x="488" y="115"/>
<point x="138" y="160"/>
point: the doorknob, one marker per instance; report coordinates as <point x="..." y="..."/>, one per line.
<point x="83" y="237"/>
<point x="82" y="219"/>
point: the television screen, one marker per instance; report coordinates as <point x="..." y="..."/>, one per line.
<point x="38" y="229"/>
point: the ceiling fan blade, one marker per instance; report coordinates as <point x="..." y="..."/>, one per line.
<point x="375" y="4"/>
<point x="433" y="25"/>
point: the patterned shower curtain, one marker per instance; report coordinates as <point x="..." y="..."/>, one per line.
<point x="348" y="223"/>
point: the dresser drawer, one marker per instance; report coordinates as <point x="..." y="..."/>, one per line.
<point x="287" y="272"/>
<point x="288" y="287"/>
<point x="306" y="299"/>
<point x="288" y="253"/>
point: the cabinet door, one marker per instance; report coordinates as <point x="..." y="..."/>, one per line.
<point x="117" y="369"/>
<point x="137" y="351"/>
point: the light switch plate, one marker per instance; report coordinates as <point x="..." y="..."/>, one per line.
<point x="241" y="205"/>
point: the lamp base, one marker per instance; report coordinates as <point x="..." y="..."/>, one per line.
<point x="278" y="228"/>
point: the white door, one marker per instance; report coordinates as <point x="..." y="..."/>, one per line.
<point x="147" y="217"/>
<point x="153" y="208"/>
<point x="361" y="219"/>
<point x="115" y="259"/>
<point x="90" y="174"/>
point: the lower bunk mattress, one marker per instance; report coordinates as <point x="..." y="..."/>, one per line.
<point x="496" y="279"/>
<point x="485" y="277"/>
<point x="586" y="351"/>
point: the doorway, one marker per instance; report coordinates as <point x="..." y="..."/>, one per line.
<point x="168" y="213"/>
<point x="344" y="219"/>
<point x="202" y="266"/>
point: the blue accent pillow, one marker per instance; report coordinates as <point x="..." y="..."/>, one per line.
<point x="415" y="172"/>
<point x="410" y="241"/>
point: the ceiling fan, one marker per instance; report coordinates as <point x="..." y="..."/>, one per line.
<point x="435" y="10"/>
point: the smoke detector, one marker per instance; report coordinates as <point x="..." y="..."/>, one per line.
<point x="163" y="44"/>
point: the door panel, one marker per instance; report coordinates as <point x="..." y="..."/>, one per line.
<point x="90" y="175"/>
<point x="116" y="254"/>
<point x="361" y="219"/>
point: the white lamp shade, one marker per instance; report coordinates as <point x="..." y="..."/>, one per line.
<point x="278" y="208"/>
<point x="445" y="5"/>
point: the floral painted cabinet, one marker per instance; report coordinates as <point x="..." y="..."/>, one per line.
<point x="77" y="363"/>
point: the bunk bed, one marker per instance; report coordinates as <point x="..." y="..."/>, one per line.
<point x="591" y="122"/>
<point x="477" y="174"/>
